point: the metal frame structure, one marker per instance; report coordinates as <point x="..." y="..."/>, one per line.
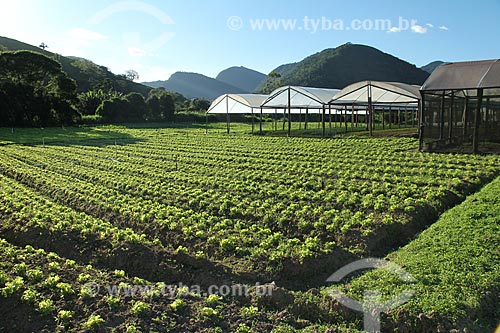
<point x="455" y="94"/>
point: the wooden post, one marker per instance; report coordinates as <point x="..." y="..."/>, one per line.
<point x="406" y="115"/>
<point x="227" y="114"/>
<point x="465" y="117"/>
<point x="370" y="111"/>
<point x="399" y="117"/>
<point x="300" y="118"/>
<point x="441" y="118"/>
<point x="284" y="119"/>
<point x="390" y="116"/>
<point x="345" y="117"/>
<point x="420" y="122"/>
<point x="486" y="116"/>
<point x="450" y="116"/>
<point x="383" y="118"/>
<point x="305" y="120"/>
<point x="260" y="123"/>
<point x="289" y="112"/>
<point x="275" y="120"/>
<point x="330" y="118"/>
<point x="252" y="122"/>
<point x="323" y="121"/>
<point x="352" y="118"/>
<point x="206" y="122"/>
<point x="475" y="138"/>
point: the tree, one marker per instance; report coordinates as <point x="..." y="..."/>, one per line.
<point x="199" y="104"/>
<point x="43" y="46"/>
<point x="34" y="91"/>
<point x="135" y="107"/>
<point x="161" y="105"/>
<point x="273" y="82"/>
<point x="131" y="75"/>
<point x="112" y="110"/>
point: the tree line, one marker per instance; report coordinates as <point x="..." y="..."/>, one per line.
<point x="35" y="91"/>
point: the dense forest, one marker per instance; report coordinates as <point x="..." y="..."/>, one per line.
<point x="36" y="91"/>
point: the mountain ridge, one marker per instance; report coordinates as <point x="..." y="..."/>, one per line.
<point x="346" y="64"/>
<point x="241" y="77"/>
<point x="195" y="85"/>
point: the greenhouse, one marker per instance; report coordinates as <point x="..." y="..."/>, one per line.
<point x="301" y="100"/>
<point x="397" y="103"/>
<point x="392" y="100"/>
<point x="240" y="104"/>
<point x="461" y="104"/>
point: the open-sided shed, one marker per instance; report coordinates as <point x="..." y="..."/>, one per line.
<point x="461" y="102"/>
<point x="387" y="97"/>
<point x="294" y="99"/>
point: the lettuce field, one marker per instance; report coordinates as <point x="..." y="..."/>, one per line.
<point x="156" y="207"/>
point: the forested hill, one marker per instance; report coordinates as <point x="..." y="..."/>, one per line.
<point x="241" y="77"/>
<point x="346" y="64"/>
<point x="85" y="72"/>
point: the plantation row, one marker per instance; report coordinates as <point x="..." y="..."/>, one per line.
<point x="52" y="294"/>
<point x="456" y="265"/>
<point x="254" y="198"/>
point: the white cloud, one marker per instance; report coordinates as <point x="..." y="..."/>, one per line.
<point x="443" y="27"/>
<point x="394" y="29"/>
<point x="430" y="25"/>
<point x="418" y="29"/>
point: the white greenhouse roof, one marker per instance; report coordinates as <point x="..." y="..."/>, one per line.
<point x="300" y="97"/>
<point x="237" y="103"/>
<point x="381" y="92"/>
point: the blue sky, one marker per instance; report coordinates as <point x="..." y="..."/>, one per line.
<point x="157" y="38"/>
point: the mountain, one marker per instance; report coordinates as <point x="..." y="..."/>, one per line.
<point x="241" y="77"/>
<point x="194" y="85"/>
<point x="430" y="67"/>
<point x="346" y="64"/>
<point x="85" y="72"/>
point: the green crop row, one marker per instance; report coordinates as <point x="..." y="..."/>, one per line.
<point x="456" y="267"/>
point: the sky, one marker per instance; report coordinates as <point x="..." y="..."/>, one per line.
<point x="159" y="37"/>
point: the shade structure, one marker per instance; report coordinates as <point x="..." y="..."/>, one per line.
<point x="461" y="103"/>
<point x="465" y="76"/>
<point x="237" y="103"/>
<point x="296" y="98"/>
<point x="381" y="93"/>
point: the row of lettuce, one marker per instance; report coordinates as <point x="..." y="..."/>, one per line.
<point x="179" y="207"/>
<point x="243" y="198"/>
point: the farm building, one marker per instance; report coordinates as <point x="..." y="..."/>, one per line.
<point x="461" y="103"/>
<point x="394" y="99"/>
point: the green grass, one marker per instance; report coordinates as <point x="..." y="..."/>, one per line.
<point x="456" y="264"/>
